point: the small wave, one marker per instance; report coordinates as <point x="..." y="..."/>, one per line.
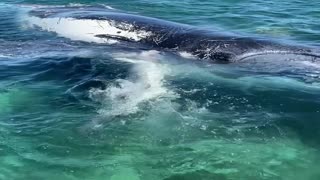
<point x="53" y="6"/>
<point x="76" y="5"/>
<point x="107" y="7"/>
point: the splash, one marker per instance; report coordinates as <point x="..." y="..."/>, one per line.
<point x="147" y="83"/>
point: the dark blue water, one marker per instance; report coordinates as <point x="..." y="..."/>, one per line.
<point x="75" y="110"/>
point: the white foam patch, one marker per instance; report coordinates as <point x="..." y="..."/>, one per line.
<point x="187" y="55"/>
<point x="87" y="29"/>
<point x="142" y="57"/>
<point x="125" y="97"/>
<point x="77" y="5"/>
<point x="107" y="6"/>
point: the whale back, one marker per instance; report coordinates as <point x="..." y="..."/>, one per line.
<point x="156" y="33"/>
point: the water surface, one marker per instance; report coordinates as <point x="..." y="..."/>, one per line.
<point x="74" y="110"/>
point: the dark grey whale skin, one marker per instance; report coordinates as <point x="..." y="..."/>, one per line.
<point x="204" y="44"/>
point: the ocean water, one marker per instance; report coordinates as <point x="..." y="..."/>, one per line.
<point x="73" y="110"/>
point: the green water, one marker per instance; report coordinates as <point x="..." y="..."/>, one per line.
<point x="80" y="111"/>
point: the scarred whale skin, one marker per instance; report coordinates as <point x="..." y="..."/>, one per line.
<point x="202" y="43"/>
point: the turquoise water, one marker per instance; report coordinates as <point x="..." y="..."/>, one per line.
<point x="72" y="110"/>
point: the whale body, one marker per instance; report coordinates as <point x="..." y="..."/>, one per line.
<point x="101" y="25"/>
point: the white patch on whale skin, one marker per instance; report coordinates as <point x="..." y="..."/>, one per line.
<point x="311" y="64"/>
<point x="87" y="29"/>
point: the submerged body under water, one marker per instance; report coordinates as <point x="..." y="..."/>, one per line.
<point x="71" y="109"/>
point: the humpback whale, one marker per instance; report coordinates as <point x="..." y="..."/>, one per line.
<point x="101" y="25"/>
